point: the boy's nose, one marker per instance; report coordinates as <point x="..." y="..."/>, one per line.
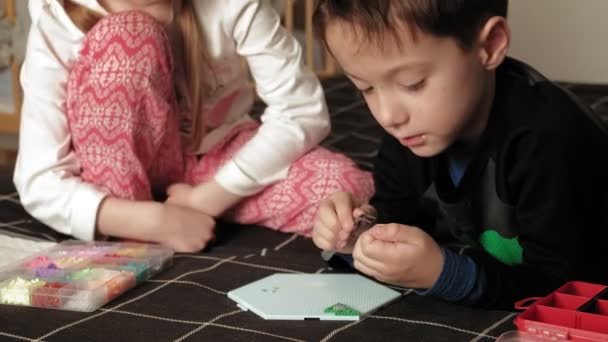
<point x="390" y="114"/>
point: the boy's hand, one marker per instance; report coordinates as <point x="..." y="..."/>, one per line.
<point x="398" y="254"/>
<point x="334" y="223"/>
<point x="183" y="229"/>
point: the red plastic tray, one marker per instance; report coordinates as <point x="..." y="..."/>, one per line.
<point x="577" y="311"/>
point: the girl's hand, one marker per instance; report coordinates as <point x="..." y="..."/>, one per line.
<point x="184" y="229"/>
<point x="178" y="227"/>
<point x="181" y="194"/>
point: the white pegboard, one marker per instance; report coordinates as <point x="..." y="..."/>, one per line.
<point x="313" y="296"/>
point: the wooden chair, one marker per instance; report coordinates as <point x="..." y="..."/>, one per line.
<point x="300" y="11"/>
<point x="9" y="121"/>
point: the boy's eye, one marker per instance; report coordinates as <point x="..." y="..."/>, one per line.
<point x="416" y="86"/>
<point x="366" y="91"/>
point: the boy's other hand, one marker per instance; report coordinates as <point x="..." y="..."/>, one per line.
<point x="400" y="255"/>
<point x="335" y="222"/>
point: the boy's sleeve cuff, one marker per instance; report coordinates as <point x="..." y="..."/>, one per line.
<point x="458" y="277"/>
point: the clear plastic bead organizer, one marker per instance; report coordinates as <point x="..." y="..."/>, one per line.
<point x="80" y="276"/>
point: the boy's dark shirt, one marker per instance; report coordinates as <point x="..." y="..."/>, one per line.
<point x="531" y="207"/>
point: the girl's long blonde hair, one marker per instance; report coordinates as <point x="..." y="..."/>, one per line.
<point x="193" y="52"/>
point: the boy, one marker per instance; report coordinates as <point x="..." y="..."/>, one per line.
<point x="490" y="188"/>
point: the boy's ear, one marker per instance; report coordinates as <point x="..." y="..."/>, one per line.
<point x="493" y="42"/>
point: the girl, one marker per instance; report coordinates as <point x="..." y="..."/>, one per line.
<point x="124" y="97"/>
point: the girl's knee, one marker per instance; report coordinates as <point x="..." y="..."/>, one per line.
<point x="126" y="36"/>
<point x="133" y="23"/>
<point x="336" y="172"/>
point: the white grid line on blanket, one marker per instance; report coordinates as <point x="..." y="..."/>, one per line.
<point x="601" y="101"/>
<point x="494" y="326"/>
<point x="434" y="324"/>
<point x="12" y="197"/>
<point x="210" y="268"/>
<point x="270" y="268"/>
<point x="286" y="242"/>
<point x="206" y="324"/>
<point x="218" y="325"/>
<point x="17" y="337"/>
<point x="187" y="283"/>
<point x="340" y="329"/>
<point x="13" y="225"/>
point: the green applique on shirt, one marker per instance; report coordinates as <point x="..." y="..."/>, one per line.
<point x="507" y="251"/>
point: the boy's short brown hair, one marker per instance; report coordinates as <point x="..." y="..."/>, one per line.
<point x="459" y="19"/>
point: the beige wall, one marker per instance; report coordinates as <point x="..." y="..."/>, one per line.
<point x="565" y="39"/>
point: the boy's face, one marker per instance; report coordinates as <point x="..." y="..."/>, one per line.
<point x="426" y="93"/>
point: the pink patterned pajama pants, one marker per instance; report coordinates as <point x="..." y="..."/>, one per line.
<point x="125" y="132"/>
